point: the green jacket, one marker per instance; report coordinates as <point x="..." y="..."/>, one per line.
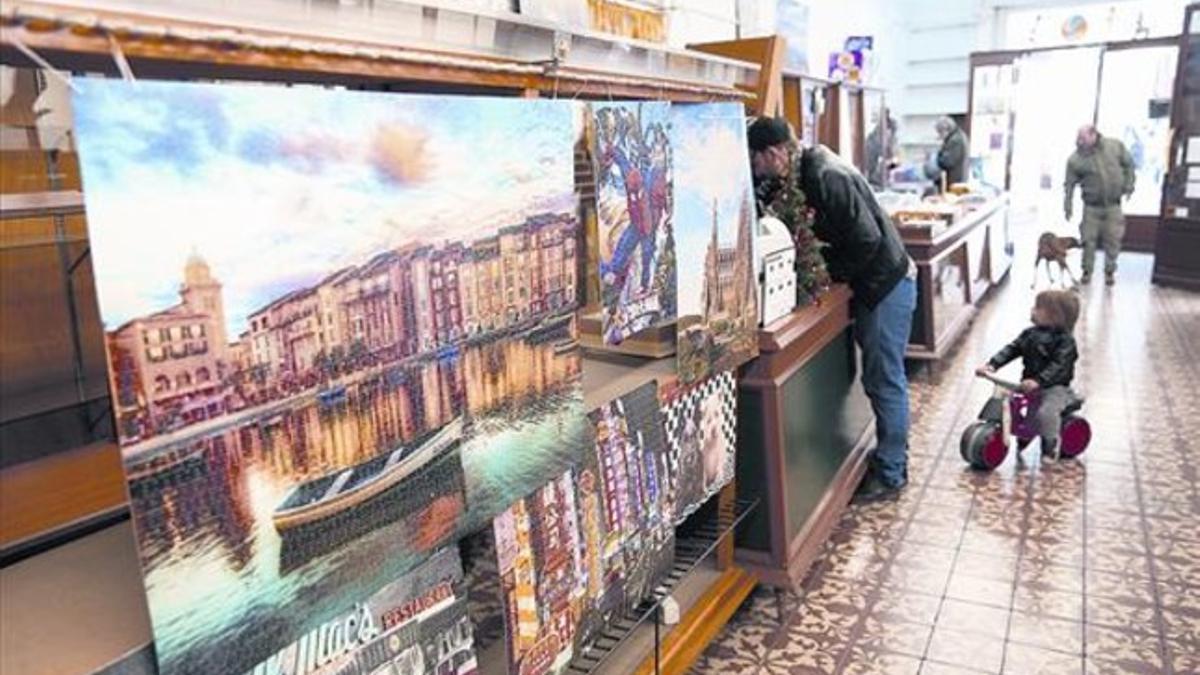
<point x="1105" y="174"/>
<point x="952" y="157"/>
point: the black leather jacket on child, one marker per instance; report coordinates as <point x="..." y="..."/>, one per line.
<point x="1049" y="356"/>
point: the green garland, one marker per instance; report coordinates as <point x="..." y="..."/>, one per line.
<point x="785" y="200"/>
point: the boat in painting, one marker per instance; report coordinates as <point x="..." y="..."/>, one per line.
<point x="340" y="491"/>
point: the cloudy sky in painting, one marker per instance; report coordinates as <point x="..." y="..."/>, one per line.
<point x="276" y="187"/>
<point x="711" y="163"/>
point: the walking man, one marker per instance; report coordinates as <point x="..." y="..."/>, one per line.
<point x="1103" y="169"/>
<point x="864" y="250"/>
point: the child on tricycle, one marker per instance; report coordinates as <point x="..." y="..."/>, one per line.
<point x="1042" y="404"/>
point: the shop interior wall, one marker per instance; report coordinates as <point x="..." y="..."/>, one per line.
<point x="925" y="67"/>
<point x="53" y="388"/>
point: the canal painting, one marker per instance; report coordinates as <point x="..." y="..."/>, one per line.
<point x="341" y="335"/>
<point x="714" y="232"/>
<point x="631" y="150"/>
<point x="416" y="625"/>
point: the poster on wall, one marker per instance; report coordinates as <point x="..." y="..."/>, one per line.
<point x="701" y="432"/>
<point x="340" y="335"/>
<point x="633" y="166"/>
<point x="714" y="217"/>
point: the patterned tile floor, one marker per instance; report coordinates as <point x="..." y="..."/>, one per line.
<point x="1088" y="566"/>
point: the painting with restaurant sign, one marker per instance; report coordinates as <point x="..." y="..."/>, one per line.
<point x="340" y="336"/>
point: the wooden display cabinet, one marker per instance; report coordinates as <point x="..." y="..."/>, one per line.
<point x="1177" y="244"/>
<point x="956" y="268"/>
<point x="804" y="428"/>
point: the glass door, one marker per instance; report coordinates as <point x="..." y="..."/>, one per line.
<point x="1135" y="107"/>
<point x="1055" y="94"/>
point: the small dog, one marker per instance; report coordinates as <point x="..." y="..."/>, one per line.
<point x="1053" y="249"/>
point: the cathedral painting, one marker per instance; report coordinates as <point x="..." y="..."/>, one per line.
<point x="631" y="149"/>
<point x="714" y="232"/>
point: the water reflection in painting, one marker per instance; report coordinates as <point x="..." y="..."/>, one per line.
<point x="212" y="545"/>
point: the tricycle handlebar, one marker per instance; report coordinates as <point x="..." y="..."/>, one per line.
<point x="1012" y="386"/>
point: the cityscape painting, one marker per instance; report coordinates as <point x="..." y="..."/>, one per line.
<point x="341" y="332"/>
<point x="632" y="455"/>
<point x="538" y="555"/>
<point x="714" y="222"/>
<point x="631" y="149"/>
<point x="589" y="547"/>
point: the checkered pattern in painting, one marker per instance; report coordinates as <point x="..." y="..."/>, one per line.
<point x="683" y="424"/>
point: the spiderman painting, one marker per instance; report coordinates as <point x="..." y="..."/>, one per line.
<point x="632" y="152"/>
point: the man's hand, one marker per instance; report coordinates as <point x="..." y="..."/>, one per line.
<point x="985" y="369"/>
<point x="1029" y="386"/>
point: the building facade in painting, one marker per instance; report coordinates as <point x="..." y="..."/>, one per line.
<point x="729" y="283"/>
<point x="177" y="364"/>
<point x="167" y="368"/>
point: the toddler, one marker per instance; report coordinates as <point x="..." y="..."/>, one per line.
<point x="1048" y="354"/>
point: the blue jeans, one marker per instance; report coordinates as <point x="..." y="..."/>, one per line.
<point x="882" y="333"/>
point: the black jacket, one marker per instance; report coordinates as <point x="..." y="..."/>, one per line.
<point x="864" y="247"/>
<point x="1049" y="356"/>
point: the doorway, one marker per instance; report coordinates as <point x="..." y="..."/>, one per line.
<point x="1123" y="88"/>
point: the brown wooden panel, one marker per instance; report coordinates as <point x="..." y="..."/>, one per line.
<point x="1177" y="256"/>
<point x="37" y="348"/>
<point x="1140" y="233"/>
<point x="768" y="53"/>
<point x="792" y="93"/>
<point x="23" y="171"/>
<point x="829" y="124"/>
<point x="37" y="497"/>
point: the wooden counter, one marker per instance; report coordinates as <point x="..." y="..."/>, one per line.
<point x="804" y="426"/>
<point x="1177" y="255"/>
<point x="956" y="267"/>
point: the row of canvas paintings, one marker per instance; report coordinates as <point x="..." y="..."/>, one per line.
<point x="591" y="545"/>
<point x="675" y="219"/>
<point x="341" y="330"/>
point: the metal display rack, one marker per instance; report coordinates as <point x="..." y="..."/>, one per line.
<point x="691" y="551"/>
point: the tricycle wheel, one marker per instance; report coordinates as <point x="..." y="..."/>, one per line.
<point x="982" y="445"/>
<point x="1075" y="436"/>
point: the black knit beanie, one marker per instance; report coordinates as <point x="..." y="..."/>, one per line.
<point x="768" y="131"/>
